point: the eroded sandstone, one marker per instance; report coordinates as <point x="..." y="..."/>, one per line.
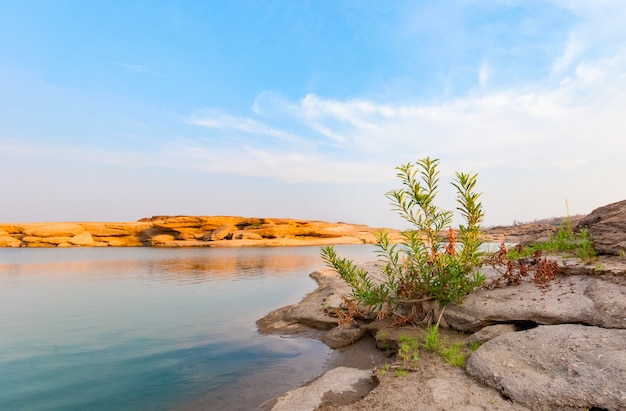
<point x="187" y="231"/>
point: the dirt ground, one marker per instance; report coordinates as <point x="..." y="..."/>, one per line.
<point x="430" y="385"/>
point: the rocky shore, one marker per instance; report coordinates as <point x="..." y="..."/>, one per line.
<point x="556" y="346"/>
<point x="187" y="231"/>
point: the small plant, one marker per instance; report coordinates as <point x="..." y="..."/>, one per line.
<point x="400" y="372"/>
<point x="453" y="355"/>
<point x="427" y="269"/>
<point x="585" y="248"/>
<point x="513" y="272"/>
<point x="622" y="253"/>
<point x="408" y="350"/>
<point x="475" y="345"/>
<point x="431" y="340"/>
<point x="384" y="370"/>
<point x="520" y="262"/>
<point x="565" y="240"/>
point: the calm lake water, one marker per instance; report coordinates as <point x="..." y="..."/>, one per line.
<point x="151" y="328"/>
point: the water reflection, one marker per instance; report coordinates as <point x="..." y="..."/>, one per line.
<point x="166" y="264"/>
<point x="147" y="328"/>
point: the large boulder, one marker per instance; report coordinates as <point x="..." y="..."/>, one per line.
<point x="8" y="241"/>
<point x="161" y="239"/>
<point x="574" y="299"/>
<point x="83" y="239"/>
<point x="559" y="367"/>
<point x="343" y="336"/>
<point x="36" y="241"/>
<point x="219" y="233"/>
<point x="607" y="227"/>
<point x="122" y="229"/>
<point x="52" y="229"/>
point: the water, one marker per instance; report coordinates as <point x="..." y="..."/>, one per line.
<point x="151" y="328"/>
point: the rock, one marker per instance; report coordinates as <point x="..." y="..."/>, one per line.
<point x="53" y="229"/>
<point x="219" y="233"/>
<point x="520" y="233"/>
<point x="128" y="241"/>
<point x="10" y="229"/>
<point x="33" y="241"/>
<point x="574" y="299"/>
<point x="245" y="235"/>
<point x="338" y="381"/>
<point x="268" y="230"/>
<point x="83" y="239"/>
<point x="607" y="227"/>
<point x="207" y="223"/>
<point x="161" y="239"/>
<point x="121" y="241"/>
<point x="340" y="337"/>
<point x="312" y="311"/>
<point x="115" y="229"/>
<point x="490" y="332"/>
<point x="433" y="385"/>
<point x="188" y="231"/>
<point x="559" y="367"/>
<point x="8" y="241"/>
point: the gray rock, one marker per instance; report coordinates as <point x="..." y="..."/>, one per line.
<point x="490" y="332"/>
<point x="560" y="367"/>
<point x="574" y="299"/>
<point x="340" y="337"/>
<point x="341" y="380"/>
<point x="313" y="310"/>
<point x="607" y="227"/>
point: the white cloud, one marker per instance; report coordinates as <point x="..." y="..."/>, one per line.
<point x="558" y="125"/>
<point x="572" y="50"/>
<point x="483" y="75"/>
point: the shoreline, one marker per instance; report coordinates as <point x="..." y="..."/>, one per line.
<point x="428" y="384"/>
<point x="222" y="231"/>
<point x="251" y="391"/>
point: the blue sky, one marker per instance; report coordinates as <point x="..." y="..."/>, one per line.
<point x="118" y="110"/>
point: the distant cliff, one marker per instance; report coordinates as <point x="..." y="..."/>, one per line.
<point x="186" y="231"/>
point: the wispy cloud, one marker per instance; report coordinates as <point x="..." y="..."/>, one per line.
<point x="540" y="126"/>
<point x="483" y="75"/>
<point x="572" y="50"/>
<point x="216" y="120"/>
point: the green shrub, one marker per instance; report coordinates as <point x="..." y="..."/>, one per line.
<point x="432" y="342"/>
<point x="426" y="267"/>
<point x="453" y="355"/>
<point x="563" y="241"/>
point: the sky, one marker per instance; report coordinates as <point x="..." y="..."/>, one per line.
<point x="119" y="110"/>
